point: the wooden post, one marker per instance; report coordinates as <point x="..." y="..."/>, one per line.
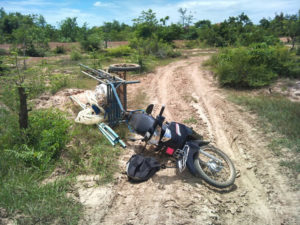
<point x="122" y="90"/>
<point x="23" y="114"/>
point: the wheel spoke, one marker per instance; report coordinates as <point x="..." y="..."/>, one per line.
<point x="214" y="165"/>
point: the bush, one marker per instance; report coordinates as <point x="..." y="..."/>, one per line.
<point x="21" y="189"/>
<point x="3" y="67"/>
<point x="44" y="139"/>
<point x="123" y="50"/>
<point x="3" y="51"/>
<point x="154" y="47"/>
<point x="75" y="55"/>
<point x="35" y="50"/>
<point x="91" y="43"/>
<point x="141" y="60"/>
<point x="298" y="51"/>
<point x="59" y="50"/>
<point x="254" y="66"/>
<point x="58" y="81"/>
<point x="193" y="44"/>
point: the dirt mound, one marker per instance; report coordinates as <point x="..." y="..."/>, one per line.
<point x="60" y="100"/>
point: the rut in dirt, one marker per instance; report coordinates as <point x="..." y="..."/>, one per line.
<point x="261" y="194"/>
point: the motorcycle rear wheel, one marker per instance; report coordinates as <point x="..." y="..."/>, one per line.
<point x="219" y="173"/>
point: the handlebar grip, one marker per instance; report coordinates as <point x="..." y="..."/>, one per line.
<point x="162" y="110"/>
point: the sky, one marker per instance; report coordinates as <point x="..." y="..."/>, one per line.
<point x="96" y="12"/>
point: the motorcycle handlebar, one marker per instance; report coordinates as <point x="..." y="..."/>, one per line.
<point x="162" y="110"/>
<point x="158" y="119"/>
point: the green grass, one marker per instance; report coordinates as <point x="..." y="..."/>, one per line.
<point x="22" y="193"/>
<point x="29" y="202"/>
<point x="276" y="114"/>
<point x="91" y="153"/>
<point x="190" y="120"/>
<point x="293" y="164"/>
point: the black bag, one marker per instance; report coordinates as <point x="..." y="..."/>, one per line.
<point x="140" y="168"/>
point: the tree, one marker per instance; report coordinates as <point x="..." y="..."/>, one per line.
<point x="146" y="24"/>
<point x="69" y="29"/>
<point x="293" y="27"/>
<point x="186" y="19"/>
<point x="264" y="23"/>
<point x="203" y="23"/>
<point x="164" y="20"/>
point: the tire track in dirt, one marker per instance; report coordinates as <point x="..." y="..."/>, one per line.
<point x="261" y="194"/>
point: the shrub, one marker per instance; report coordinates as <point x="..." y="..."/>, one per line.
<point x="123" y="50"/>
<point x="3" y="67"/>
<point x="3" y="51"/>
<point x="35" y="50"/>
<point x="75" y="55"/>
<point x="59" y="50"/>
<point x="91" y="43"/>
<point x="254" y="66"/>
<point x="165" y="50"/>
<point x="58" y="81"/>
<point x="44" y="139"/>
<point x="192" y="44"/>
<point x="298" y="51"/>
<point x="141" y="60"/>
<point x="153" y="46"/>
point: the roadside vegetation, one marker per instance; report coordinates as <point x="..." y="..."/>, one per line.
<point x="251" y="57"/>
<point x="278" y="115"/>
<point x="34" y="143"/>
<point x="254" y="66"/>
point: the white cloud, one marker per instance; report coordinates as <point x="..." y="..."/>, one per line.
<point x="101" y="4"/>
<point x="107" y="10"/>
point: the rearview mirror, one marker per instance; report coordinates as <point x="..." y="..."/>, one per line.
<point x="149" y="109"/>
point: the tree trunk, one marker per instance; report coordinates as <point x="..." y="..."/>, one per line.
<point x="293" y="42"/>
<point x="23" y="114"/>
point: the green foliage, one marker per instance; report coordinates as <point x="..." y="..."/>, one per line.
<point x="21" y="193"/>
<point x="92" y="153"/>
<point x="293" y="164"/>
<point x="114" y="31"/>
<point x="3" y="67"/>
<point x="153" y="46"/>
<point x="298" y="51"/>
<point x="57" y="82"/>
<point x="190" y="120"/>
<point x="140" y="59"/>
<point x="255" y="66"/>
<point x="9" y="130"/>
<point x="69" y="29"/>
<point x="193" y="44"/>
<point x="59" y="50"/>
<point x="3" y="52"/>
<point x="123" y="50"/>
<point x="75" y="55"/>
<point x="43" y="140"/>
<point x="96" y="59"/>
<point x="92" y="42"/>
<point x="277" y="114"/>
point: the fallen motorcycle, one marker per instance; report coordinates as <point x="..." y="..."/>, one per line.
<point x="185" y="145"/>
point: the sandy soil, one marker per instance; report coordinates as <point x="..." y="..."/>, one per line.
<point x="262" y="194"/>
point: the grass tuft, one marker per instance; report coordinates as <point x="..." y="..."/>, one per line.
<point x="277" y="114"/>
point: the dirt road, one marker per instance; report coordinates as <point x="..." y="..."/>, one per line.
<point x="261" y="194"/>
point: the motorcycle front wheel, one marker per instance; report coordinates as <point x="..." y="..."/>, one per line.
<point x="215" y="167"/>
